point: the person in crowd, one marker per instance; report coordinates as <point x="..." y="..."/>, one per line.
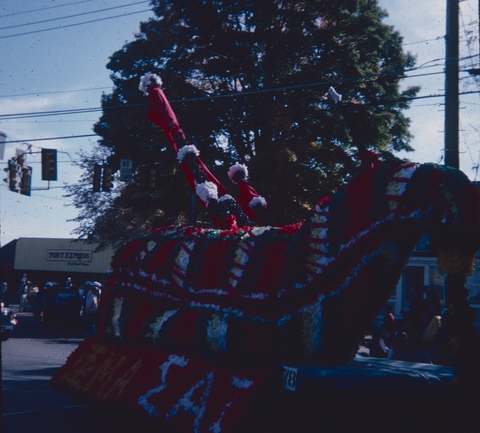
<point x="387" y="328"/>
<point x="399" y="346"/>
<point x="5" y="294"/>
<point x="92" y="300"/>
<point x="82" y="292"/>
<point x="409" y="348"/>
<point x="414" y="315"/>
<point x="443" y="346"/>
<point x="38" y="305"/>
<point x="416" y="351"/>
<point x="49" y="308"/>
<point x="32" y="290"/>
<point x="378" y="347"/>
<point x="68" y="285"/>
<point x="432" y="317"/>
<point x="68" y="309"/>
<point x="22" y="294"/>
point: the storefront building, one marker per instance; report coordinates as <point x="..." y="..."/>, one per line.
<point x="49" y="259"/>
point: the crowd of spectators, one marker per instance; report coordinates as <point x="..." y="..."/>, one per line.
<point x="64" y="309"/>
<point x="423" y="335"/>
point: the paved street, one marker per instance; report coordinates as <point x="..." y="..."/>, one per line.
<point x="29" y="359"/>
<point x="31" y="356"/>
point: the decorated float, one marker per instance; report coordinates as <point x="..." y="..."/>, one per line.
<point x="202" y="328"/>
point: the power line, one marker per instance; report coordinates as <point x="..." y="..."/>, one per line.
<point x="43" y="9"/>
<point x="51" y="138"/>
<point x="425" y="40"/>
<point x="201" y="98"/>
<point x="229" y="95"/>
<point x="74" y="25"/>
<point x="71" y="16"/>
<point x="18" y="95"/>
<point x="438" y="38"/>
<point x="423" y="66"/>
<point x="61" y="121"/>
<point x="53" y="92"/>
<point x="468" y="44"/>
<point x="48" y="113"/>
<point x="205" y="98"/>
<point x="187" y="100"/>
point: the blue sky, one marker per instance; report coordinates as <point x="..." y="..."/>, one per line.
<point x="64" y="68"/>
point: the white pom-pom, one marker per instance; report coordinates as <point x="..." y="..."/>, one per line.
<point x="226" y="197"/>
<point x="335" y="96"/>
<point x="207" y="191"/>
<point x="257" y="201"/>
<point x="147" y="80"/>
<point x="189" y="148"/>
<point x="238" y="168"/>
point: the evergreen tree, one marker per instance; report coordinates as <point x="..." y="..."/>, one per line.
<point x="248" y="81"/>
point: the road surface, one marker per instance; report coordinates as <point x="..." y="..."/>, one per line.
<point x="30" y="357"/>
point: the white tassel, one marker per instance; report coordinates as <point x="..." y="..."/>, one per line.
<point x="335" y="96"/>
<point x="147" y="80"/>
<point x="257" y="201"/>
<point x="226" y="197"/>
<point x="207" y="191"/>
<point x="238" y="168"/>
<point x="189" y="148"/>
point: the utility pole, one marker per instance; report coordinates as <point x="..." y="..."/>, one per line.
<point x="452" y="85"/>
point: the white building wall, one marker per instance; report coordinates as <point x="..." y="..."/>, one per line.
<point x="60" y="255"/>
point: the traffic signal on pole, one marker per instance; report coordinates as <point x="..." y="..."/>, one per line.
<point x="13" y="179"/>
<point x="107" y="179"/>
<point x="21" y="159"/>
<point x="152" y="179"/>
<point x="140" y="178"/>
<point x="26" y="182"/>
<point x="146" y="178"/>
<point x="97" y="174"/>
<point x="49" y="164"/>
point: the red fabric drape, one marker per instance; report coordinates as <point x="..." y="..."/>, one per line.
<point x="161" y="113"/>
<point x="247" y="194"/>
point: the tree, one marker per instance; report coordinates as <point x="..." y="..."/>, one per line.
<point x="247" y="81"/>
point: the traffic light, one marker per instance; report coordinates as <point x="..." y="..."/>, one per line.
<point x="97" y="174"/>
<point x="49" y="164"/>
<point x="152" y="179"/>
<point x="21" y="159"/>
<point x="140" y="178"/>
<point x="13" y="179"/>
<point x="107" y="179"/>
<point x="26" y="181"/>
<point x="146" y="178"/>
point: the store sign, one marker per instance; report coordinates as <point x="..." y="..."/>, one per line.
<point x="126" y="172"/>
<point x="69" y="256"/>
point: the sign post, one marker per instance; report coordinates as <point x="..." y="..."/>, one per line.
<point x="126" y="172"/>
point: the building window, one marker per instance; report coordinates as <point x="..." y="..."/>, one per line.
<point x="414" y="277"/>
<point x="436" y="281"/>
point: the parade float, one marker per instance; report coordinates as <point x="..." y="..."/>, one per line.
<point x="203" y="327"/>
